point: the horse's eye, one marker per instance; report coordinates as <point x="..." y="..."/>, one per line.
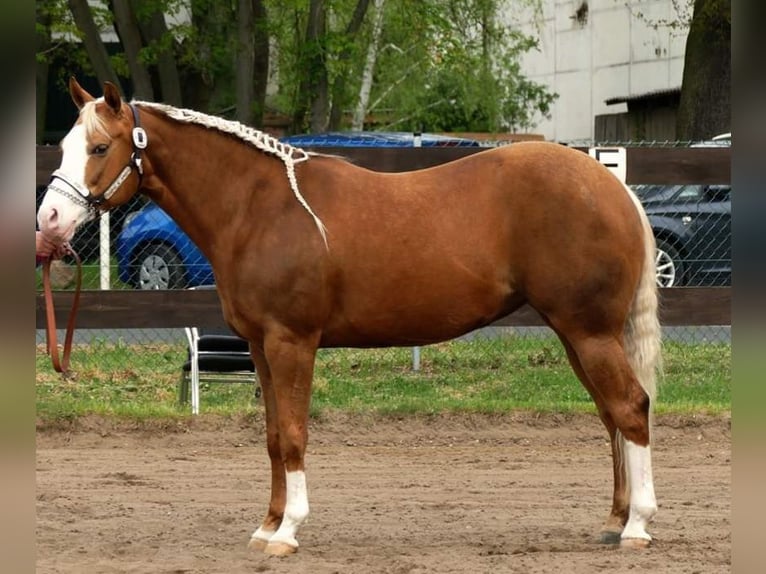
<point x="100" y="149"/>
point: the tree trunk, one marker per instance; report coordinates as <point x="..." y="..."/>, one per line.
<point x="357" y="123"/>
<point x="155" y="32"/>
<point x="130" y="37"/>
<point x="99" y="58"/>
<point x="320" y="103"/>
<point x="339" y="85"/>
<point x="705" y="106"/>
<point x="245" y="62"/>
<point x="260" y="60"/>
<point x="312" y="92"/>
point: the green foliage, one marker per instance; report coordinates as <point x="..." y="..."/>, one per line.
<point x="54" y="21"/>
<point x="465" y="73"/>
<point x="486" y="375"/>
<point x="443" y="65"/>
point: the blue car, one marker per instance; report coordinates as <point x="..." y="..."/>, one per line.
<point x="153" y="252"/>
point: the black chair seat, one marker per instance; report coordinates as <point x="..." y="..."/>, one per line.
<point x="221" y="364"/>
<point x="222" y="343"/>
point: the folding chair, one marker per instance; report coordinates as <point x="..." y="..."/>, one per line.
<point x="215" y="356"/>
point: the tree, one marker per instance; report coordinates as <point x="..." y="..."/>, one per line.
<point x="245" y="60"/>
<point x="159" y="47"/>
<point x="340" y="93"/>
<point x="432" y="64"/>
<point x="312" y="98"/>
<point x="451" y="65"/>
<point x="90" y="34"/>
<point x="127" y="28"/>
<point x="357" y="123"/>
<point x="705" y="106"/>
<point x="252" y="61"/>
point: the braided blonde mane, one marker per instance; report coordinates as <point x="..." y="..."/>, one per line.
<point x="260" y="140"/>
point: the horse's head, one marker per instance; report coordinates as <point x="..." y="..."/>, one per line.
<point x="100" y="166"/>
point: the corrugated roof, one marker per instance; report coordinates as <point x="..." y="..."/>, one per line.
<point x="646" y="96"/>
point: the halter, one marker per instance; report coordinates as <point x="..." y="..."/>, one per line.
<point x="82" y="196"/>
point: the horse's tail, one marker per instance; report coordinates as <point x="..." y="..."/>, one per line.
<point x="642" y="333"/>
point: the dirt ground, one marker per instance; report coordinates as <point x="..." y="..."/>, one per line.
<point x="443" y="494"/>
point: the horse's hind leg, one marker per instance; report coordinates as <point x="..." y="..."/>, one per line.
<point x="626" y="403"/>
<point x="615" y="522"/>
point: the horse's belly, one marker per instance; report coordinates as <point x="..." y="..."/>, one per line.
<point x="399" y="320"/>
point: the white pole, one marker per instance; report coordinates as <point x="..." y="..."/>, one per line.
<point x="104" y="251"/>
<point x="415" y="358"/>
<point x="417" y="141"/>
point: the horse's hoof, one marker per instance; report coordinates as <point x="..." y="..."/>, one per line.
<point x="280" y="549"/>
<point x="610" y="537"/>
<point x="258" y="544"/>
<point x="635" y="543"/>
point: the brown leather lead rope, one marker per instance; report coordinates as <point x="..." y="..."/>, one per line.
<point x="60" y="365"/>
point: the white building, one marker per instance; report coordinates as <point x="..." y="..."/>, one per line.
<point x="592" y="51"/>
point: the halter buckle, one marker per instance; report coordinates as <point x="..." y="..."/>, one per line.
<point x="139" y="138"/>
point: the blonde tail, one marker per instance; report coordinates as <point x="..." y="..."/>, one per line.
<point x="642" y="329"/>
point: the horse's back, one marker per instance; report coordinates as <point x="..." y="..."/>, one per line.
<point x="462" y="244"/>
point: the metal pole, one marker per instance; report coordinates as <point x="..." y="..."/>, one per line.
<point x="104" y="251"/>
<point x="417" y="141"/>
<point x="415" y="358"/>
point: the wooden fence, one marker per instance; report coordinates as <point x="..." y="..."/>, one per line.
<point x="179" y="308"/>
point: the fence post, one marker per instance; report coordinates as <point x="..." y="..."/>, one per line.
<point x="104" y="251"/>
<point x="415" y="358"/>
<point x="417" y="141"/>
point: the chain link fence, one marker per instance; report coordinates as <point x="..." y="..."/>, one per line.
<point x="145" y="249"/>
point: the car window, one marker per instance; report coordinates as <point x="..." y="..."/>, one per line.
<point x="689" y="193"/>
<point x="649" y="192"/>
<point x="718" y="193"/>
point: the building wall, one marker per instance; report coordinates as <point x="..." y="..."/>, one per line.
<point x="615" y="51"/>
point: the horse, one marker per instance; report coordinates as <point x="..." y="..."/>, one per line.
<point x="309" y="250"/>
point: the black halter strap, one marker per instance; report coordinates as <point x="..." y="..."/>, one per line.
<point x="78" y="193"/>
<point x="139" y="143"/>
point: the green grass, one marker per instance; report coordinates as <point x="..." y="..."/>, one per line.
<point x="483" y="376"/>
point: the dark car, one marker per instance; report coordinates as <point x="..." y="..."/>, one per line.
<point x="153" y="252"/>
<point x="692" y="225"/>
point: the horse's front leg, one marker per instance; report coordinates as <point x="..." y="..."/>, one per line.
<point x="260" y="538"/>
<point x="290" y="362"/>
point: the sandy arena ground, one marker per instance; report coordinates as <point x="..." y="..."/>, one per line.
<point x="448" y="494"/>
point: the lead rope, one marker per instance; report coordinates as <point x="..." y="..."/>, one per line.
<point x="60" y="365"/>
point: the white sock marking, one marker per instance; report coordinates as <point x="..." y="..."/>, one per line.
<point x="296" y="509"/>
<point x="643" y="504"/>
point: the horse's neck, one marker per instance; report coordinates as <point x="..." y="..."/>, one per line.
<point x="204" y="180"/>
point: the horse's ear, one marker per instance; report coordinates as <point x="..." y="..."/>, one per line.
<point x="79" y="96"/>
<point x="112" y="97"/>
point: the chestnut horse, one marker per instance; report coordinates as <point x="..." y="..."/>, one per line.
<point x="311" y="251"/>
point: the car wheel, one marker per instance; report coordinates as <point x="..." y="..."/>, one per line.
<point x="159" y="267"/>
<point x="670" y="268"/>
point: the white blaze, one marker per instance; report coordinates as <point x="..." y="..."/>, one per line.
<point x="59" y="216"/>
